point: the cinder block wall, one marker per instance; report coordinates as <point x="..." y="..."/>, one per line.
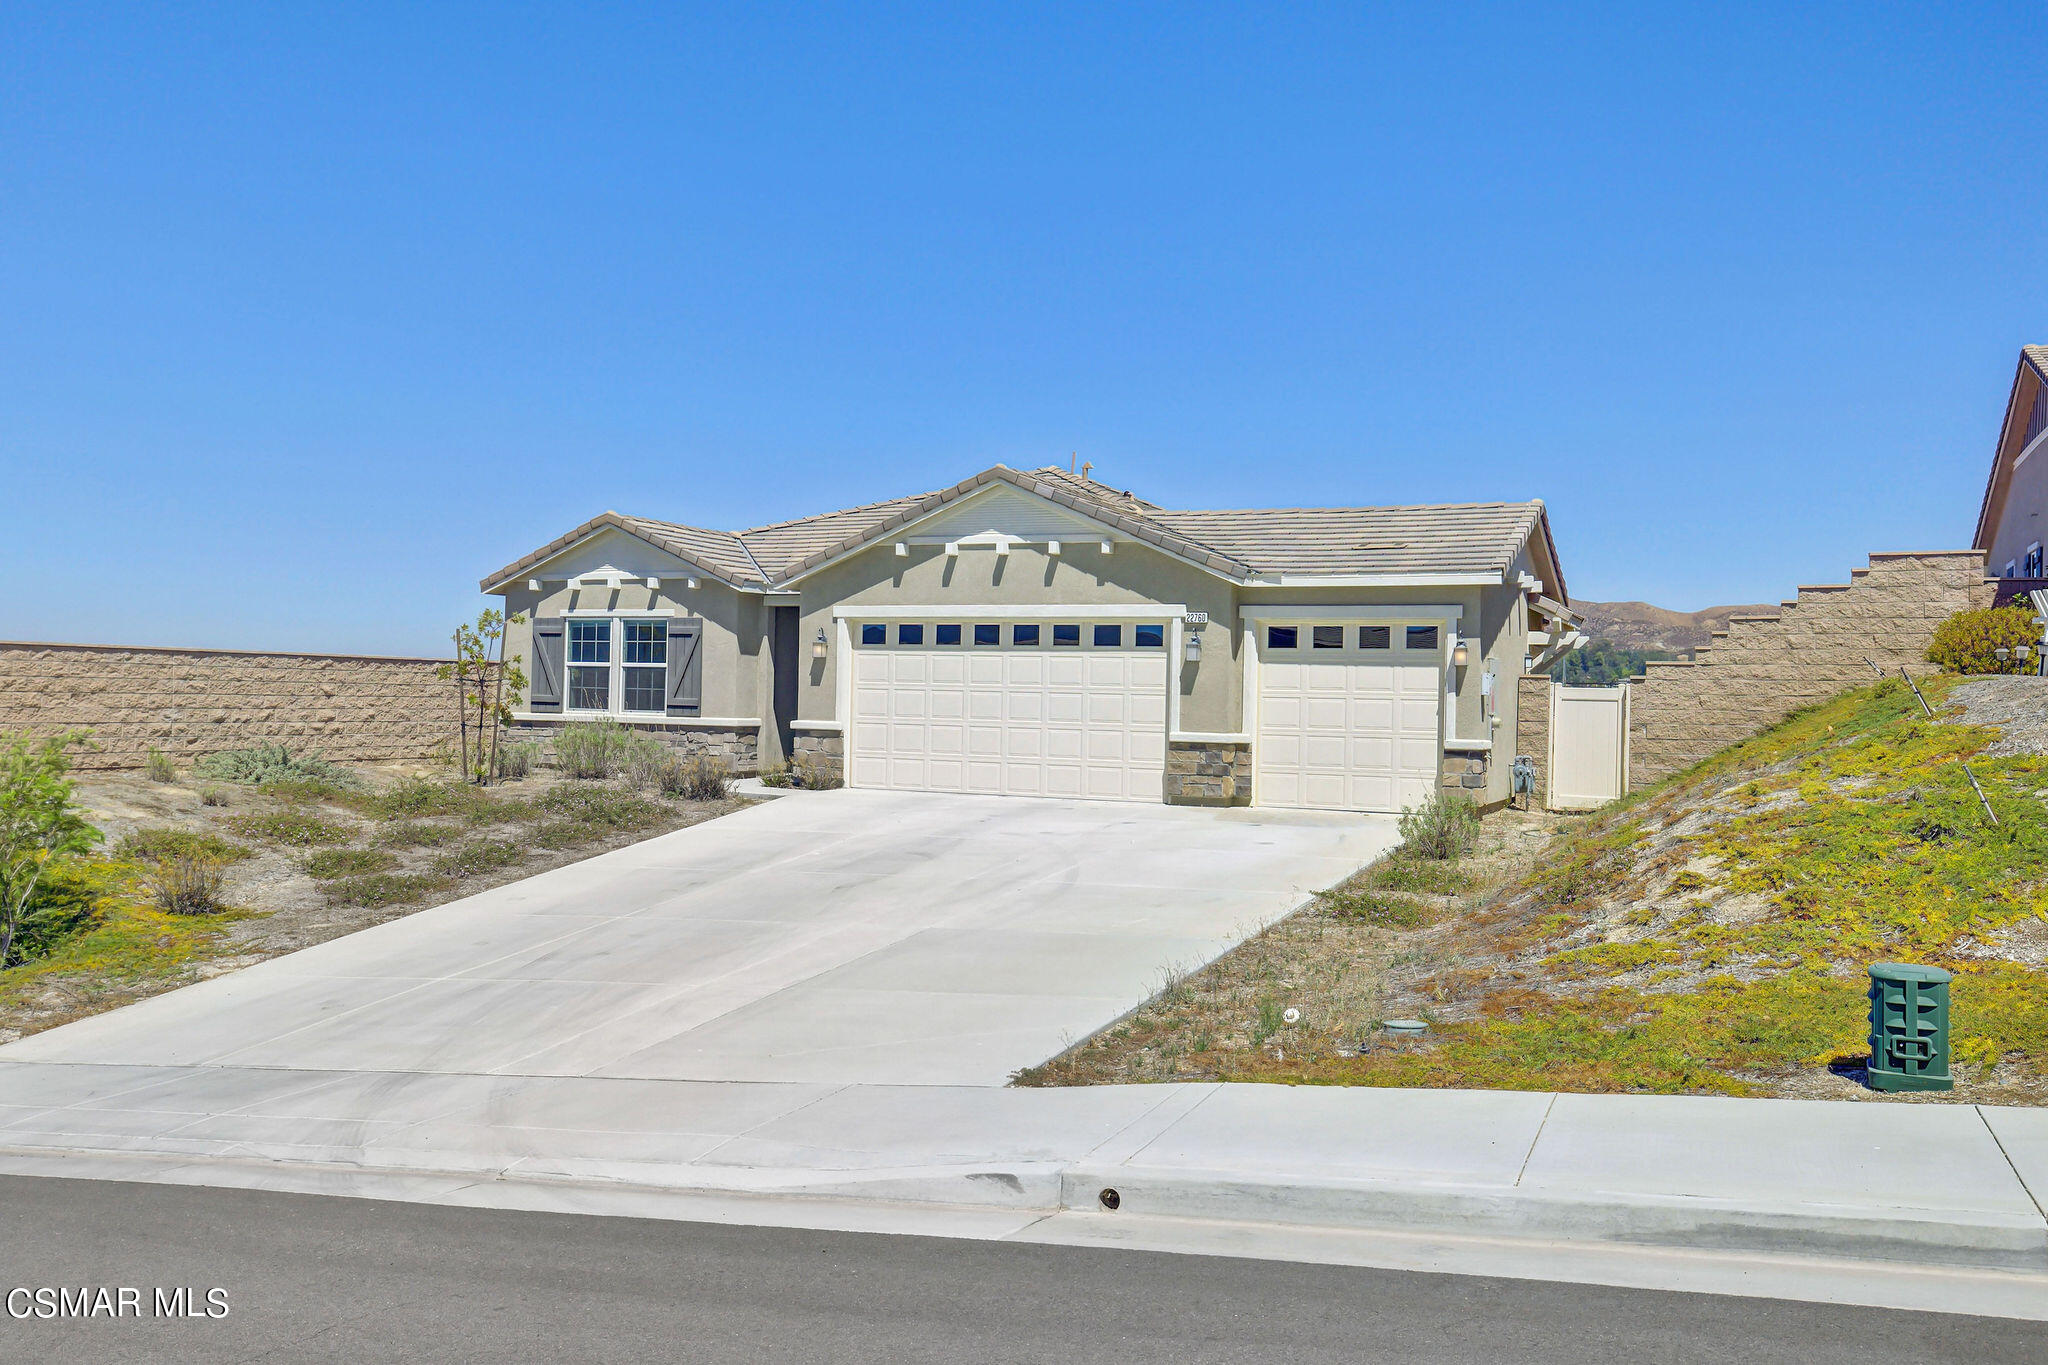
<point x="1766" y="666"/>
<point x="1532" y="728"/>
<point x="191" y="702"/>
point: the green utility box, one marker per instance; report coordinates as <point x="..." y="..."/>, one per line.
<point x="1909" y="1027"/>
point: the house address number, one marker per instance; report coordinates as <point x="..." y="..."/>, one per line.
<point x="1195" y="618"/>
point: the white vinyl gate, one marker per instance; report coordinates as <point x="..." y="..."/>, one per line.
<point x="1588" y="760"/>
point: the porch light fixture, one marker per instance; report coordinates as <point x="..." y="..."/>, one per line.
<point x="818" y="644"/>
<point x="1192" y="651"/>
<point x="1460" y="655"/>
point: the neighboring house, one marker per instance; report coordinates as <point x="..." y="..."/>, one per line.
<point x="1043" y="634"/>
<point x="2013" y="521"/>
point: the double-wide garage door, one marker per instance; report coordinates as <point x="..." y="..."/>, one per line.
<point x="1073" y="709"/>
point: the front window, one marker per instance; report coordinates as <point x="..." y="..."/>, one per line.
<point x="1149" y="637"/>
<point x="1109" y="637"/>
<point x="910" y="635"/>
<point x="590" y="659"/>
<point x="946" y="635"/>
<point x="1281" y="637"/>
<point x="1024" y="635"/>
<point x="1327" y="637"/>
<point x="988" y="635"/>
<point x="1066" y="635"/>
<point x="2032" y="568"/>
<point x="646" y="670"/>
<point x="1422" y="637"/>
<point x="1375" y="637"/>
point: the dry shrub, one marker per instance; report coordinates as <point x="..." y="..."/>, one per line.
<point x="699" y="777"/>
<point x="187" y="883"/>
<point x="814" y="772"/>
<point x="599" y="748"/>
<point x="159" y="766"/>
<point x="1443" y="828"/>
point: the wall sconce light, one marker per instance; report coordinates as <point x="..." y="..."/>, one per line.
<point x="1192" y="651"/>
<point x="818" y="644"/>
<point x="1460" y="655"/>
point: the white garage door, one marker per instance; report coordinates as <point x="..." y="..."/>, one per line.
<point x="1075" y="709"/>
<point x="1348" y="716"/>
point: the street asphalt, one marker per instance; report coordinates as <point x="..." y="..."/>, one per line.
<point x="308" y="1277"/>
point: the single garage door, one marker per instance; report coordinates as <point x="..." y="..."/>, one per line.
<point x="1053" y="708"/>
<point x="1348" y="715"/>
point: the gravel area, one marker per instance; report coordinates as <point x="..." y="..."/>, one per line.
<point x="2016" y="706"/>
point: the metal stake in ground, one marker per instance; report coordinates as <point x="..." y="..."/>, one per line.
<point x="1989" y="814"/>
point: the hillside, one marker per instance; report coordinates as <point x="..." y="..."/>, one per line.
<point x="1638" y="625"/>
<point x="1707" y="936"/>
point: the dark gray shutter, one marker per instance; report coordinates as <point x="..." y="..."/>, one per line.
<point x="685" y="667"/>
<point x="545" y="691"/>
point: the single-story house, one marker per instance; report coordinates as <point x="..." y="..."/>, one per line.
<point x="2012" y="521"/>
<point x="1042" y="634"/>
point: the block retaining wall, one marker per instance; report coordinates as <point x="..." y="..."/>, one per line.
<point x="192" y="702"/>
<point x="1765" y="666"/>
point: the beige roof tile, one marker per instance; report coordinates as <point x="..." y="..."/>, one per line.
<point x="1480" y="537"/>
<point x="1241" y="543"/>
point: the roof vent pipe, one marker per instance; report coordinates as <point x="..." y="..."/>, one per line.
<point x="1086" y="466"/>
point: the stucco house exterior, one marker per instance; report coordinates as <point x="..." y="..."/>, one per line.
<point x="2012" y="521"/>
<point x="1041" y="633"/>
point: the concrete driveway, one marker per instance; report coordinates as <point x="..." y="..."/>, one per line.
<point x="839" y="937"/>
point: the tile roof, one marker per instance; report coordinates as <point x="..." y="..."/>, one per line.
<point x="784" y="543"/>
<point x="1241" y="543"/>
<point x="2038" y="355"/>
<point x="1479" y="537"/>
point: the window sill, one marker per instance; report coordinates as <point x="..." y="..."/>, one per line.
<point x="687" y="722"/>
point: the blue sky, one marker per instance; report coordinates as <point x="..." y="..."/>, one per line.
<point x="310" y="317"/>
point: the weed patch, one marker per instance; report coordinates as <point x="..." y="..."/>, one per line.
<point x="1419" y="875"/>
<point x="478" y="856"/>
<point x="330" y="863"/>
<point x="380" y="889"/>
<point x="167" y="841"/>
<point x="413" y="797"/>
<point x="292" y="828"/>
<point x="599" y="807"/>
<point x="417" y="834"/>
<point x="1382" y="909"/>
<point x="272" y="763"/>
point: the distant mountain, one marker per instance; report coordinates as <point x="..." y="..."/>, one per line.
<point x="1638" y="625"/>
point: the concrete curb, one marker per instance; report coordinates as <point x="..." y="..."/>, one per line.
<point x="1918" y="1236"/>
<point x="1980" y="1240"/>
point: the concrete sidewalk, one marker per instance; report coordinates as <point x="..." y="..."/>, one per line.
<point x="1889" y="1185"/>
